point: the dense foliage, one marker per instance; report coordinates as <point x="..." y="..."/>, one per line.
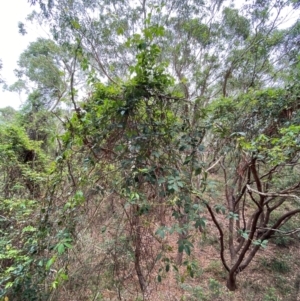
<point x="147" y="128"/>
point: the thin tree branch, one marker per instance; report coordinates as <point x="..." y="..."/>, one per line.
<point x="211" y="167"/>
<point x="221" y="237"/>
<point x="272" y="194"/>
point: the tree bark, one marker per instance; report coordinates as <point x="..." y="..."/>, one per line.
<point x="137" y="251"/>
<point x="231" y="281"/>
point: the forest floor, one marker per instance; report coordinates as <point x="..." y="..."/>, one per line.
<point x="102" y="267"/>
<point x="273" y="275"/>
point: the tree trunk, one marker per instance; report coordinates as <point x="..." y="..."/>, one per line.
<point x="182" y="236"/>
<point x="231" y="282"/>
<point x="137" y="251"/>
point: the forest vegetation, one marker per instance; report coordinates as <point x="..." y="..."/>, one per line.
<point x="157" y="154"/>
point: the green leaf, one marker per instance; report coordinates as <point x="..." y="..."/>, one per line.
<point x="264" y="243"/>
<point x="120" y="31"/>
<point x="161" y="180"/>
<point x="68" y="245"/>
<point x="245" y="235"/>
<point x="161" y="232"/>
<point x="187" y="250"/>
<point x="256" y="242"/>
<point x="167" y="267"/>
<point x="9" y="285"/>
<point x="198" y="171"/>
<point x="175" y="268"/>
<point x="233" y="216"/>
<point x="220" y="209"/>
<point x="158" y="257"/>
<point x="50" y="262"/>
<point x="60" y="248"/>
<point x="200" y="223"/>
<point x="180" y="184"/>
<point x="29" y="229"/>
<point x="75" y="24"/>
<point x="188" y="160"/>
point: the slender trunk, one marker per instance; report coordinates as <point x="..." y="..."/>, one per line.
<point x="162" y="212"/>
<point x="231" y="281"/>
<point x="137" y="253"/>
<point x="231" y="227"/>
<point x="182" y="236"/>
<point x="231" y="240"/>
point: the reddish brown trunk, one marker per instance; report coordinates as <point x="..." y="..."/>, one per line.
<point x="137" y="252"/>
<point x="231" y="282"/>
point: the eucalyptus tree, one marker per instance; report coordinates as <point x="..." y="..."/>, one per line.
<point x="212" y="47"/>
<point x="45" y="7"/>
<point x="7" y="115"/>
<point x="50" y="75"/>
<point x="47" y="68"/>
